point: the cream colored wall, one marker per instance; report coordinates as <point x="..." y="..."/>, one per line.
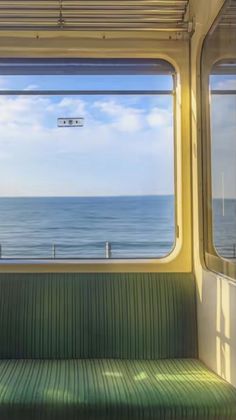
<point x="71" y="44"/>
<point x="216" y="294"/>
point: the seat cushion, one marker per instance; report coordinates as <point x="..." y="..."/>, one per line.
<point x="113" y="389"/>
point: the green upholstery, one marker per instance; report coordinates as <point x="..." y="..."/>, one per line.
<point x="127" y="316"/>
<point x="104" y="346"/>
<point x="113" y="389"/>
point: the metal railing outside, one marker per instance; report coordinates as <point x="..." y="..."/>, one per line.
<point x="90" y="250"/>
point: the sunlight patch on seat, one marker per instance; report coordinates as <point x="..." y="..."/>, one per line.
<point x="141" y="376"/>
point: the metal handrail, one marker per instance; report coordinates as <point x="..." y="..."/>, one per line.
<point x="230" y="251"/>
<point x="108" y="250"/>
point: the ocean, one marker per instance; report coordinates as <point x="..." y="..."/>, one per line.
<point x="79" y="227"/>
<point x="224" y="227"/>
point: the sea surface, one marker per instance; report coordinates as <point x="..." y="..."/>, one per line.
<point x="79" y="227"/>
<point x="224" y="227"/>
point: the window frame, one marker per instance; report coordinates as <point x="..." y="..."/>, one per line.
<point x="211" y="258"/>
<point x="181" y="257"/>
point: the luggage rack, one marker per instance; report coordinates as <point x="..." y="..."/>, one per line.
<point x="94" y="15"/>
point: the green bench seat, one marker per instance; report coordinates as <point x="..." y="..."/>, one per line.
<point x="104" y="346"/>
<point x="113" y="389"/>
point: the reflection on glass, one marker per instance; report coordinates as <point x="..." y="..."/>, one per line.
<point x="223" y="152"/>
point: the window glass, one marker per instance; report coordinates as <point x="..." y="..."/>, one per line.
<point x="101" y="189"/>
<point x="223" y="163"/>
<point x="219" y="143"/>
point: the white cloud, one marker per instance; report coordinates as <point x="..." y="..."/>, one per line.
<point x="125" y="118"/>
<point x="77" y="106"/>
<point x="159" y="117"/>
<point x="129" y="123"/>
<point x="117" y="140"/>
<point x="111" y="107"/>
<point x="24" y="110"/>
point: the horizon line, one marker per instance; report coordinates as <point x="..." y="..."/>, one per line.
<point x="87" y="196"/>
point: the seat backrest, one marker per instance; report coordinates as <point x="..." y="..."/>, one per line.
<point x="128" y="316"/>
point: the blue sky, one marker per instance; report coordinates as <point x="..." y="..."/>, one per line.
<point x="124" y="148"/>
<point x="130" y="82"/>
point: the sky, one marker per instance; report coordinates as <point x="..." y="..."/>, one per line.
<point x="223" y="138"/>
<point x="125" y="147"/>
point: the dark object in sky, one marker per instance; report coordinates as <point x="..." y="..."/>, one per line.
<point x="70" y="122"/>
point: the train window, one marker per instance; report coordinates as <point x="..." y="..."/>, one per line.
<point x="219" y="84"/>
<point x="87" y="159"/>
